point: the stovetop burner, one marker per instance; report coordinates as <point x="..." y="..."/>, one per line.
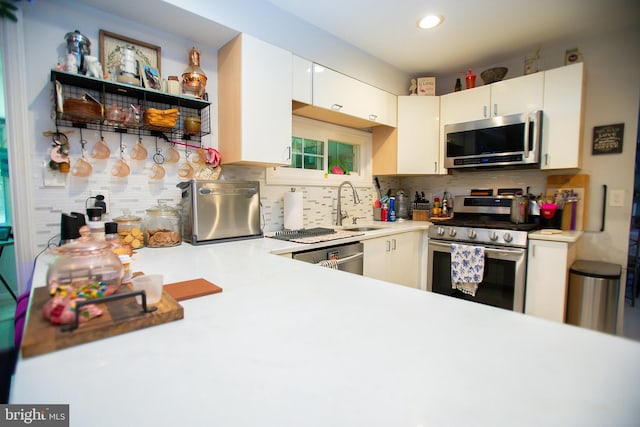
<point x="489" y="223"/>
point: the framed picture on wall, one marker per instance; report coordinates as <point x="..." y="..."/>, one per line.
<point x="607" y="139"/>
<point x="121" y="55"/>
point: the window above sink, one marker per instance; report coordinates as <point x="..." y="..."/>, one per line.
<point x="317" y="149"/>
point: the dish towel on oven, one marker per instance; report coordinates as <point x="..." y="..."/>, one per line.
<point x="467" y="268"/>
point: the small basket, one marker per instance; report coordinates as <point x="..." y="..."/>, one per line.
<point x="165" y="119"/>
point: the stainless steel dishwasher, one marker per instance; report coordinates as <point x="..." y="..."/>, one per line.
<point x="346" y="257"/>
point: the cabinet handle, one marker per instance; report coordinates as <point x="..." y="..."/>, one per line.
<point x="495" y="109"/>
<point x="435" y="167"/>
<point x="336" y="107"/>
<point x="546" y="159"/>
<point x="373" y="117"/>
<point x="394" y="244"/>
<point x="484" y="111"/>
<point x="388" y="246"/>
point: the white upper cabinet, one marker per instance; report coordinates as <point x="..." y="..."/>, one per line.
<point x="254" y="99"/>
<point x="562" y="117"/>
<point x="514" y="96"/>
<point x="339" y="93"/>
<point x="302" y="80"/>
<point x="412" y="147"/>
<point x="465" y="106"/>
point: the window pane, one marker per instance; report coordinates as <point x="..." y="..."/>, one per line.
<point x="307" y="154"/>
<point x="343" y="157"/>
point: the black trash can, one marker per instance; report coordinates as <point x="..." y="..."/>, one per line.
<point x="592" y="300"/>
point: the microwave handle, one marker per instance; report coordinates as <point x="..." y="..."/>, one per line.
<point x="527" y="126"/>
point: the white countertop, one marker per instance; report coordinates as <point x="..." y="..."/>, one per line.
<point x="294" y="344"/>
<point x="556" y="235"/>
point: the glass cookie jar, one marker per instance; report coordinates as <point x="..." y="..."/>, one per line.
<point x="130" y="230"/>
<point x="162" y="227"/>
<point x="85" y="266"/>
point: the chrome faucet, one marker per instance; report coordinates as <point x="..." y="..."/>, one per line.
<point x="356" y="199"/>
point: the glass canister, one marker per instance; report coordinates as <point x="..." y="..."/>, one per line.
<point x="85" y="267"/>
<point x="162" y="226"/>
<point x="130" y="230"/>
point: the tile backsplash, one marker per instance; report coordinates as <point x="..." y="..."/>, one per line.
<point x="137" y="193"/>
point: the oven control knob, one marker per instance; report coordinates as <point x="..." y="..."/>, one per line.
<point x="440" y="231"/>
<point x="471" y="234"/>
<point x="452" y="232"/>
<point x="493" y="236"/>
<point x="507" y="237"/>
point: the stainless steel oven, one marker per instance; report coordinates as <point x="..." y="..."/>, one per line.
<point x="503" y="284"/>
<point x="482" y="221"/>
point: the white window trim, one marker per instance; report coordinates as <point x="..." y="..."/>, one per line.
<point x="321" y="131"/>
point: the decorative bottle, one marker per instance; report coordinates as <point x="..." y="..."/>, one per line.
<point x="194" y="79"/>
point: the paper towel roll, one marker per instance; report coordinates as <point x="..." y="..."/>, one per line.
<point x="293" y="211"/>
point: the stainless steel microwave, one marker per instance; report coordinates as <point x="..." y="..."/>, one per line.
<point x="503" y="141"/>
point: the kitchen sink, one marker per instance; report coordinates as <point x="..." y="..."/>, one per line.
<point x="362" y="228"/>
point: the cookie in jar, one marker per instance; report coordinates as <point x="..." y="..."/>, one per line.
<point x="162" y="227"/>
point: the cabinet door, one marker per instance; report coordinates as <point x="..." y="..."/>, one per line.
<point x="396" y="258"/>
<point x="406" y="259"/>
<point x="379" y="106"/>
<point x="376" y="258"/>
<point x="519" y="95"/>
<point x="302" y="80"/>
<point x="254" y="91"/>
<point x="465" y="106"/>
<point x="340" y="93"/>
<point x="547" y="278"/>
<point x="418" y="121"/>
<point x="562" y="117"/>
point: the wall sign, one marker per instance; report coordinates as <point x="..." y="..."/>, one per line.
<point x="607" y="139"/>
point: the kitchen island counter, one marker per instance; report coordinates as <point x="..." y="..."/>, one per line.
<point x="294" y="344"/>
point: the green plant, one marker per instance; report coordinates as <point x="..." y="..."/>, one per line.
<point x="7" y="8"/>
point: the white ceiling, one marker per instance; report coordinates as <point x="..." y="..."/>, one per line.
<point x="473" y="31"/>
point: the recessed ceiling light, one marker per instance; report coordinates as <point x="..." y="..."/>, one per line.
<point x="430" y="21"/>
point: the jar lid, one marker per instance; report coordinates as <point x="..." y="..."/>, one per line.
<point x="162" y="210"/>
<point x="127" y="218"/>
<point x="85" y="245"/>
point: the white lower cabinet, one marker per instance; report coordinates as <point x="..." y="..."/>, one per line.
<point x="396" y="258"/>
<point x="548" y="266"/>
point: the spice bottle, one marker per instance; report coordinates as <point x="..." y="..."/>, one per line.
<point x="436" y="211"/>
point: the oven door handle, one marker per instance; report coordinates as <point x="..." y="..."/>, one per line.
<point x="489" y="250"/>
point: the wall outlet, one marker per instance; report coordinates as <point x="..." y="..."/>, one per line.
<point x="107" y="199"/>
<point x="616" y="200"/>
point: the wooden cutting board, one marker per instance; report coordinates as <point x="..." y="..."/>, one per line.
<point x="119" y="317"/>
<point x="191" y="289"/>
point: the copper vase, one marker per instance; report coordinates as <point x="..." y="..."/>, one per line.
<point x="194" y="80"/>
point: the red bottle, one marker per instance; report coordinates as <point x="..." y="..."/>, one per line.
<point x="470" y="79"/>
